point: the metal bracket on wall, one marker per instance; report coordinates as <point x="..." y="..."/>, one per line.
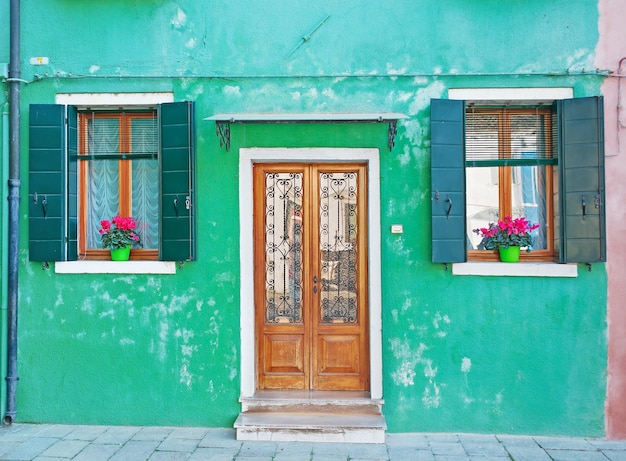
<point x="223" y="132"/>
<point x="391" y="134"/>
<point x="223" y="122"/>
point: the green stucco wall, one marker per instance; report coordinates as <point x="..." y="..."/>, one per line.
<point x="474" y="354"/>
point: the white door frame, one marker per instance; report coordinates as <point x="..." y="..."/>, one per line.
<point x="247" y="158"/>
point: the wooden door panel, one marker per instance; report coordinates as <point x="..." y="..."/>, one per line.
<point x="338" y="354"/>
<point x="284" y="353"/>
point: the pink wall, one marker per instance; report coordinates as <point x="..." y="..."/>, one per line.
<point x="611" y="55"/>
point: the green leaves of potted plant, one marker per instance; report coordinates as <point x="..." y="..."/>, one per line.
<point x="507" y="236"/>
<point x="119" y="235"/>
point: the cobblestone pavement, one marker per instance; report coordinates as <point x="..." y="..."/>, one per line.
<point x="53" y="442"/>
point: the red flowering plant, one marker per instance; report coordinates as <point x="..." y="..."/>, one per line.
<point x="119" y="232"/>
<point x="507" y="233"/>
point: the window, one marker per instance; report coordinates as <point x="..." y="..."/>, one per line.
<point x="118" y="174"/>
<point x="508" y="172"/>
<point x="544" y="163"/>
<point x="91" y="165"/>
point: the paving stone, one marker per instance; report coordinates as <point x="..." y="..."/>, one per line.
<point x="551" y="443"/>
<point x="517" y="441"/>
<point x="576" y="455"/>
<point x="20" y="432"/>
<point x="407" y="440"/>
<point x="615" y="455"/>
<point x="413" y="454"/>
<point x="86" y="433"/>
<point x="195" y="433"/>
<point x="117" y="434"/>
<point x="65" y="448"/>
<point x="368" y="451"/>
<point x="528" y="453"/>
<point x="135" y="450"/>
<point x="258" y="449"/>
<point x="328" y="457"/>
<point x="97" y="452"/>
<point x="169" y="456"/>
<point x="604" y="444"/>
<point x="490" y="458"/>
<point x="338" y="449"/>
<point x="451" y="458"/>
<point x="213" y="454"/>
<point x="253" y="458"/>
<point x="175" y="444"/>
<point x="29" y="449"/>
<point x="153" y="433"/>
<point x="442" y="437"/>
<point x="292" y="457"/>
<point x="297" y="448"/>
<point x="56" y="430"/>
<point x="6" y="446"/>
<point x="484" y="449"/>
<point x="447" y="448"/>
<point x="220" y="438"/>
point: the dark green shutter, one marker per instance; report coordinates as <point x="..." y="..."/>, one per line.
<point x="447" y="146"/>
<point x="580" y="221"/>
<point x="177" y="162"/>
<point x="48" y="201"/>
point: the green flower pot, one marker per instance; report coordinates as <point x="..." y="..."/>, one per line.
<point x="509" y="255"/>
<point x="121" y="254"/>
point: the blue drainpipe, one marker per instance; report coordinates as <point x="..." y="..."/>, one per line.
<point x="14" y="203"/>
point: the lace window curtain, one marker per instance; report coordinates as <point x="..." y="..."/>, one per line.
<point x="104" y="177"/>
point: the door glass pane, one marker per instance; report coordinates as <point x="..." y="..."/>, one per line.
<point x="283" y="247"/>
<point x="338" y="232"/>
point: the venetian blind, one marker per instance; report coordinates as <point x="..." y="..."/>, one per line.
<point x="504" y="135"/>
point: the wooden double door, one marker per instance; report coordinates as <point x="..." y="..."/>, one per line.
<point x="311" y="313"/>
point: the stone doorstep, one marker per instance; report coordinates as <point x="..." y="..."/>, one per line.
<point x="307" y="427"/>
<point x="311" y="416"/>
<point x="326" y="402"/>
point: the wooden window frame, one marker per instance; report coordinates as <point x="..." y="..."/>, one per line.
<point x="125" y="119"/>
<point x="505" y="178"/>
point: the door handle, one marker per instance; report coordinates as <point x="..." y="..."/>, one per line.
<point x="315" y="279"/>
<point x="315" y="284"/>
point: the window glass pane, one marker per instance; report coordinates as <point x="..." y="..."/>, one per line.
<point x="103" y="197"/>
<point x="145" y="200"/>
<point x="481" y="136"/>
<point x="145" y="181"/>
<point x="482" y="201"/>
<point x="528" y="192"/>
<point x="143" y="136"/>
<point x="528" y="136"/>
<point x="103" y="136"/>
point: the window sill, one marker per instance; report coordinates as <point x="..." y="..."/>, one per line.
<point x="515" y="269"/>
<point x="115" y="267"/>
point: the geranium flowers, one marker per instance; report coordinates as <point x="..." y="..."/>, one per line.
<point x="506" y="233"/>
<point x="119" y="232"/>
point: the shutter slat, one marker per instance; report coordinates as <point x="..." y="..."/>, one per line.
<point x="447" y="180"/>
<point x="177" y="164"/>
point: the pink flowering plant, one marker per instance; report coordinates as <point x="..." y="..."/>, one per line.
<point x="507" y="233"/>
<point x="119" y="232"/>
